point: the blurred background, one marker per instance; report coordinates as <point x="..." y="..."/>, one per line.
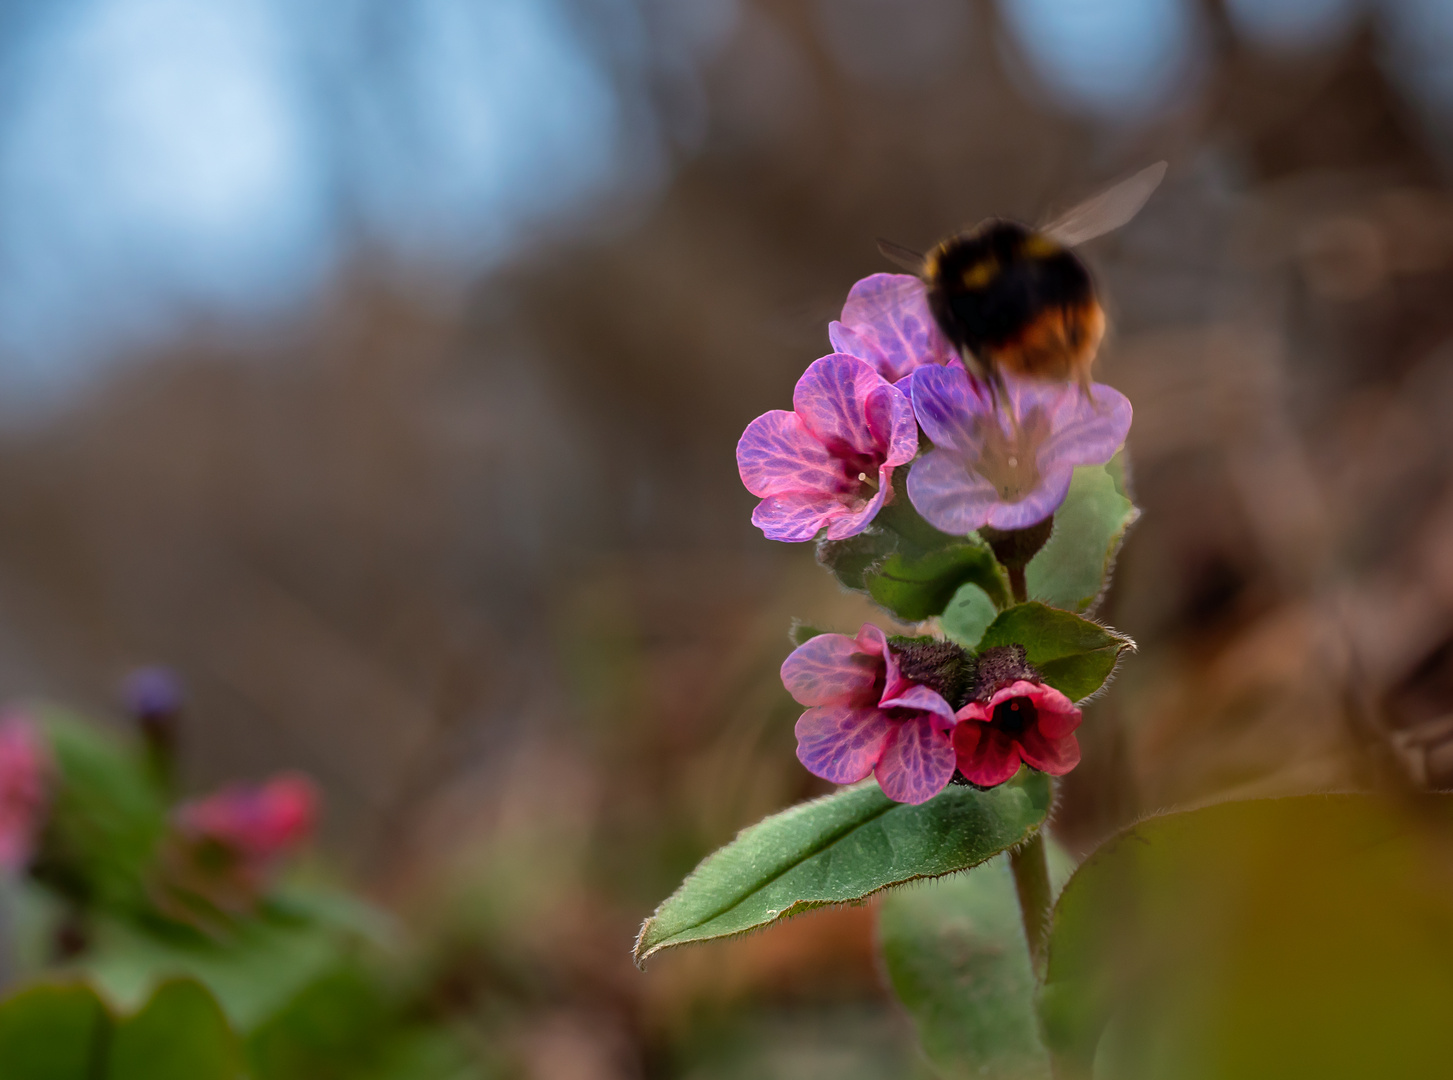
<point x="377" y="365"/>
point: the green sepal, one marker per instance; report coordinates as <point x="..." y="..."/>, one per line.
<point x="841" y="849"/>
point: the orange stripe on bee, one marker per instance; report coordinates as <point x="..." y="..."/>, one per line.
<point x="980" y="274"/>
<point x="1039" y="246"/>
<point x="1059" y="343"/>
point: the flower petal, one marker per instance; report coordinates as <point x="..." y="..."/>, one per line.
<point x="1053" y="756"/>
<point x="1044" y="500"/>
<point x="798" y="516"/>
<point x="985" y="755"/>
<point x="917" y="763"/>
<point x="922" y="699"/>
<point x="1057" y="715"/>
<point x="842" y="743"/>
<point x="777" y="454"/>
<point x="890" y="419"/>
<point x="851" y="522"/>
<point x="950" y="406"/>
<point x="949" y="494"/>
<point x="831" y="398"/>
<point x="886" y="321"/>
<point x="832" y="669"/>
<point x="1081" y="431"/>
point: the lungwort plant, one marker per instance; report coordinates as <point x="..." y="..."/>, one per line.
<point x="985" y="522"/>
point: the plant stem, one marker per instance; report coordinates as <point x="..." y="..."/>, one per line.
<point x="1031" y="882"/>
<point x="1017" y="585"/>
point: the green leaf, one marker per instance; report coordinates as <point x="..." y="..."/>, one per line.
<point x="968" y="615"/>
<point x="1275" y="938"/>
<point x="839" y="849"/>
<point x="956" y="954"/>
<point x="1073" y="654"/>
<point x="181" y="1034"/>
<point x="254" y="971"/>
<point x="916" y="586"/>
<point x="801" y="633"/>
<point x="911" y="568"/>
<point x="1073" y="568"/>
<point x="52" y="1032"/>
<point x="106" y="817"/>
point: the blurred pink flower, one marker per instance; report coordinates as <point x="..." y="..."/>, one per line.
<point x="886" y="322"/>
<point x="1021" y="721"/>
<point x="1007" y="466"/>
<point x="24" y="764"/>
<point x="829" y="462"/>
<point x="256" y="825"/>
<point x="866" y="717"/>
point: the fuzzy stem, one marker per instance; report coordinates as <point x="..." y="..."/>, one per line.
<point x="1031" y="882"/>
<point x="1017" y="584"/>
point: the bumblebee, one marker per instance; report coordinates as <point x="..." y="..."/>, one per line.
<point x="1014" y="298"/>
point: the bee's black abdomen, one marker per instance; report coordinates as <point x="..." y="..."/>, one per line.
<point x="988" y="287"/>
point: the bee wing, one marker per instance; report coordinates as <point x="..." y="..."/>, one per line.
<point x="1106" y="211"/>
<point x="899" y="255"/>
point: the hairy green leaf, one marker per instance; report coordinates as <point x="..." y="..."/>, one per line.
<point x="968" y="615"/>
<point x="1073" y="568"/>
<point x="1303" y="936"/>
<point x="955" y="952"/>
<point x="839" y="849"/>
<point x="1073" y="654"/>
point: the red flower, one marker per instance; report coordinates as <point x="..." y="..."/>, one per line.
<point x="23" y="767"/>
<point x="1021" y="721"/>
<point x="256" y="825"/>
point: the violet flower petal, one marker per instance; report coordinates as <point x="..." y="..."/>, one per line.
<point x="949" y="496"/>
<point x="886" y="322"/>
<point x="832" y="400"/>
<point x="831" y="669"/>
<point x="777" y="454"/>
<point x="921" y="699"/>
<point x="917" y="763"/>
<point x="892" y="424"/>
<point x="842" y="743"/>
<point x="798" y="516"/>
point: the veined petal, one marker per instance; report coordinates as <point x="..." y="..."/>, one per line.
<point x="831" y="669"/>
<point x="950" y="407"/>
<point x="886" y="321"/>
<point x="923" y="699"/>
<point x="949" y="494"/>
<point x="917" y="763"/>
<point x="985" y="755"/>
<point x="832" y="400"/>
<point x="891" y="421"/>
<point x="796" y="516"/>
<point x="851" y="522"/>
<point x="777" y="454"/>
<point x="842" y="743"/>
<point x="1085" y="432"/>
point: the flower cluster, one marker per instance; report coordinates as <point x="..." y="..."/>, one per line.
<point x="916" y="713"/>
<point x="1002" y="460"/>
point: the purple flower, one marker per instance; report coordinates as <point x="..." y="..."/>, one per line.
<point x="1006" y="467"/>
<point x="829" y="462"/>
<point x="886" y="322"/>
<point x="866" y="717"/>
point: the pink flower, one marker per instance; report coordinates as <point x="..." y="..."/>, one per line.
<point x="1007" y="467"/>
<point x="827" y="464"/>
<point x="865" y="716"/>
<point x="1021" y="721"/>
<point x="24" y="764"/>
<point x="255" y="825"/>
<point x="886" y="322"/>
